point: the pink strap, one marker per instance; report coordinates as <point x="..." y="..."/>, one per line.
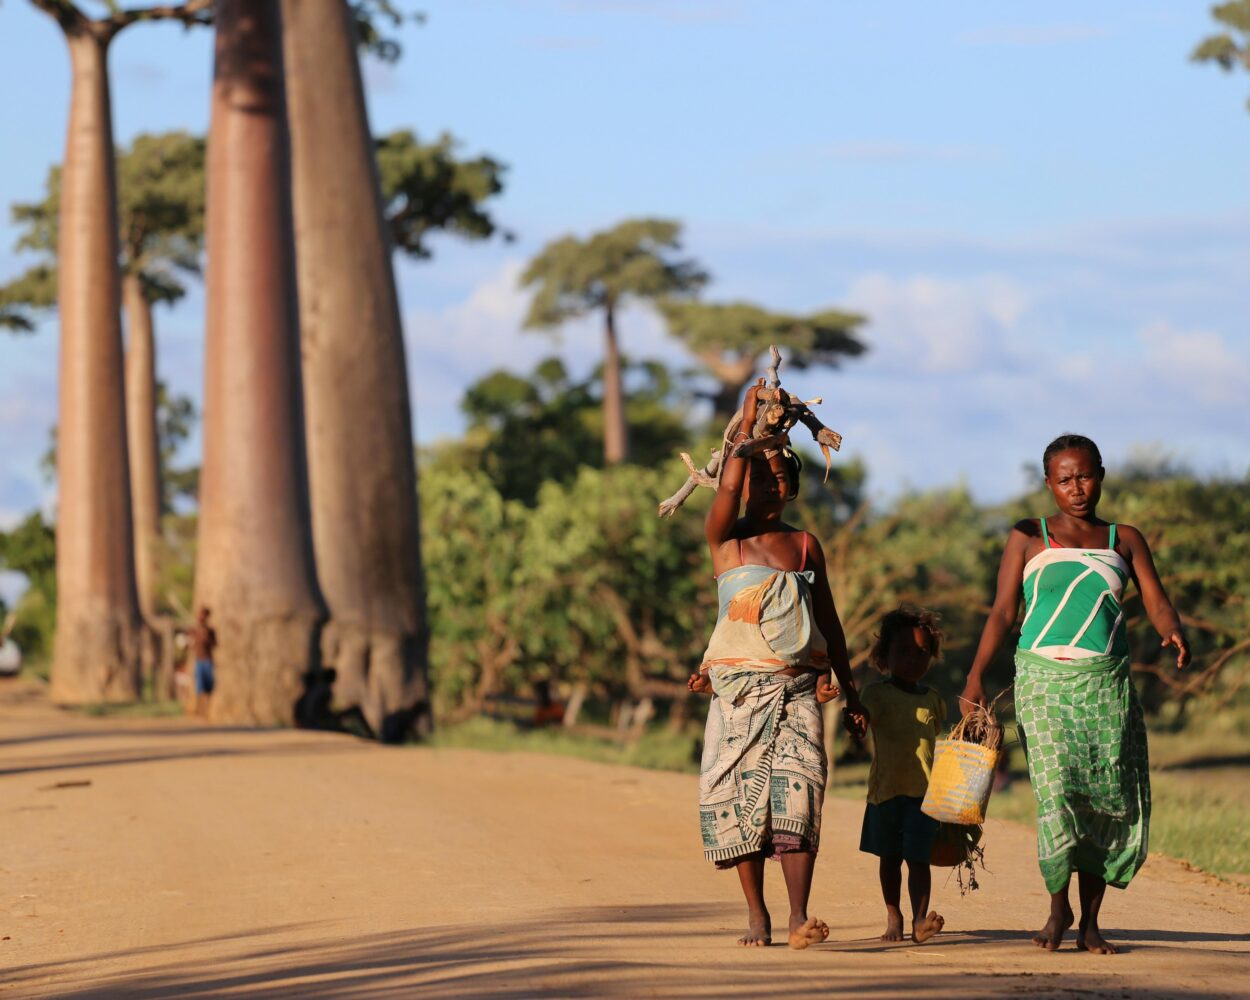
<point x="803" y="561"/>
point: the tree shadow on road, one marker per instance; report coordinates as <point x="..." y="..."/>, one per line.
<point x="673" y="950"/>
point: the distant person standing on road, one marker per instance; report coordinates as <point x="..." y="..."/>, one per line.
<point x="203" y="642"/>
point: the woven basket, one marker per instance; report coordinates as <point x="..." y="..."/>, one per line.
<point x="960" y="782"/>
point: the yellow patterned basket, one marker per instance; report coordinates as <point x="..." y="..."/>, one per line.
<point x="960" y="782"/>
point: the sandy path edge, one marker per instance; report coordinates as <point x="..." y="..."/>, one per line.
<point x="210" y="863"/>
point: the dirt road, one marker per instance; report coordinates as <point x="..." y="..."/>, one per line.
<point x="210" y="863"/>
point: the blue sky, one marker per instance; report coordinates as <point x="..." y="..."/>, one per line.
<point x="1042" y="210"/>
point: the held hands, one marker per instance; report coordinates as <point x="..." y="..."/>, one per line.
<point x="699" y="683"/>
<point x="855" y="717"/>
<point x="1177" y="638"/>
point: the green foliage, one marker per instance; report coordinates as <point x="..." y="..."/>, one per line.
<point x="373" y="18"/>
<point x="637" y="258"/>
<point x="30" y="549"/>
<point x="160" y="193"/>
<point x="528" y="431"/>
<point x="1229" y="49"/>
<point x="1179" y="517"/>
<point x="175" y="419"/>
<point x="425" y="188"/>
<point x="564" y="590"/>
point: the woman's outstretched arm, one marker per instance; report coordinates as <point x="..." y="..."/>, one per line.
<point x="1158" y="608"/>
<point x="1002" y="615"/>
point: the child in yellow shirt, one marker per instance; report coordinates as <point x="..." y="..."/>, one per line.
<point x="904" y="716"/>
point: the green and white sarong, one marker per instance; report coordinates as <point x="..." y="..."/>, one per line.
<point x="1085" y="739"/>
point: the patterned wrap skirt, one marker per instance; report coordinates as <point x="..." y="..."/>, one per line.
<point x="1085" y="738"/>
<point x="762" y="780"/>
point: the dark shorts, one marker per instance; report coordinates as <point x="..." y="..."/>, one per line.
<point x="203" y="676"/>
<point x="896" y="828"/>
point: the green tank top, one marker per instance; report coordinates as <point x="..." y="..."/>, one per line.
<point x="1072" y="601"/>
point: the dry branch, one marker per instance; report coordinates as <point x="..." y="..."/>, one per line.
<point x="778" y="412"/>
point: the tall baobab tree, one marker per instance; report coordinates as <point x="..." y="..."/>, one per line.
<point x="358" y="413"/>
<point x="254" y="567"/>
<point x="729" y="338"/>
<point x="160" y="191"/>
<point x="636" y="259"/>
<point x="98" y="636"/>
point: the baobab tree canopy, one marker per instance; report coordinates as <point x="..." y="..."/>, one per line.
<point x="425" y="188"/>
<point x="160" y="210"/>
<point x="730" y="338"/>
<point x="1230" y="47"/>
<point x="638" y="258"/>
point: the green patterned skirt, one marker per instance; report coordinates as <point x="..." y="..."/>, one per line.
<point x="1085" y="739"/>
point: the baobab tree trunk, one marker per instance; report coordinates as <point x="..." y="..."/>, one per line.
<point x="255" y="568"/>
<point x="145" y="484"/>
<point x="359" y="424"/>
<point x="96" y="654"/>
<point x="733" y="374"/>
<point x="615" y="428"/>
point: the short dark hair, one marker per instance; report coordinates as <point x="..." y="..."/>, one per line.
<point x="1065" y="442"/>
<point x="902" y="618"/>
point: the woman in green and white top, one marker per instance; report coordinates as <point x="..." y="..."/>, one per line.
<point x="1083" y="729"/>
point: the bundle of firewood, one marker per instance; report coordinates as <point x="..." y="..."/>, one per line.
<point x="778" y="412"/>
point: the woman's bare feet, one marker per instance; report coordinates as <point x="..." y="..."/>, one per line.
<point x="1089" y="938"/>
<point x="759" y="930"/>
<point x="808" y="932"/>
<point x="926" y="927"/>
<point x="893" y="924"/>
<point x="1051" y="936"/>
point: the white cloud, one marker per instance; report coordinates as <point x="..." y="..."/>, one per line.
<point x="1198" y="362"/>
<point x="450" y="348"/>
<point x="929" y="324"/>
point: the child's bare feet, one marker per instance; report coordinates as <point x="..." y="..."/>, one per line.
<point x="926" y="927"/>
<point x="759" y="931"/>
<point x="1051" y="936"/>
<point x="893" y="924"/>
<point x="808" y="932"/>
<point x="1089" y="938"/>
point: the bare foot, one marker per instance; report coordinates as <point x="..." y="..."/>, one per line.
<point x="809" y="932"/>
<point x="893" y="925"/>
<point x="1051" y="936"/>
<point x="926" y="927"/>
<point x="1090" y="939"/>
<point x="759" y="931"/>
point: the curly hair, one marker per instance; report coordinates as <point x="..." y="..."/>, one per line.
<point x="904" y="618"/>
<point x="1064" y="442"/>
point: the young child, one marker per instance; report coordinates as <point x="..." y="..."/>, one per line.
<point x="904" y="716"/>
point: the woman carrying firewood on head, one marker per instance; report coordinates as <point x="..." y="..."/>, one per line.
<point x="763" y="774"/>
<point x="1083" y="729"/>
